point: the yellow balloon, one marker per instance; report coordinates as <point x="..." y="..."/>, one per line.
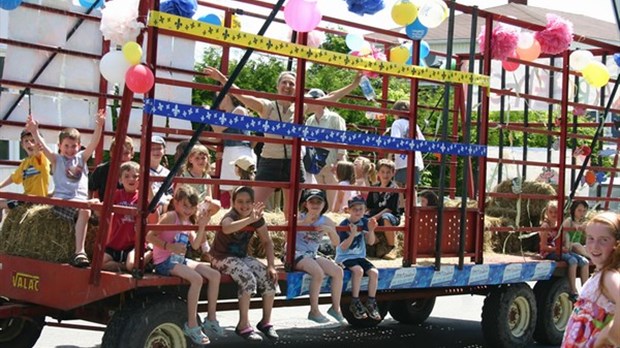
<point x="132" y="52"/>
<point x="399" y="54"/>
<point x="404" y="12"/>
<point x="596" y="74"/>
<point x="236" y="22"/>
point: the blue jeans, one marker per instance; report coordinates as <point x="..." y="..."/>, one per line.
<point x="571" y="258"/>
<point x="165" y="267"/>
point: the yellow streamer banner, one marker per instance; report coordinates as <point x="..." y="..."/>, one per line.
<point x="234" y="37"/>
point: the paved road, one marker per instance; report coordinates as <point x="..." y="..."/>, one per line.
<point x="455" y="322"/>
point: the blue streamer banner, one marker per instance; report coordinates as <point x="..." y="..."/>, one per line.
<point x="249" y="123"/>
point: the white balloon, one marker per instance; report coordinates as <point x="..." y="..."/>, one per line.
<point x="580" y="58"/>
<point x="526" y="40"/>
<point x="431" y="14"/>
<point x="113" y="67"/>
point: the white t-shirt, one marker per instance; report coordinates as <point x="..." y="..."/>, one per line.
<point x="400" y="129"/>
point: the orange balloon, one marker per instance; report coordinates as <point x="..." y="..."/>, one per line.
<point x="530" y="53"/>
<point x="590" y="178"/>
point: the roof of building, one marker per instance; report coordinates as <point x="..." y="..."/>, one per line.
<point x="582" y="25"/>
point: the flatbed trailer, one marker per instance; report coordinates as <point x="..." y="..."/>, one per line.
<point x="443" y="247"/>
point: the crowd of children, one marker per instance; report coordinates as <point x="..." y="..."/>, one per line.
<point x="369" y="197"/>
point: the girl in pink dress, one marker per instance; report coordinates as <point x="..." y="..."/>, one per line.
<point x="594" y="321"/>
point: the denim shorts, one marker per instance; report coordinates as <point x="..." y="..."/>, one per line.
<point x="365" y="264"/>
<point x="394" y="220"/>
<point x="571" y="258"/>
<point x="165" y="267"/>
<point x="274" y="169"/>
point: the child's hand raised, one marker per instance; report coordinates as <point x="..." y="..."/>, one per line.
<point x="203" y="218"/>
<point x="31" y="124"/>
<point x="353" y="230"/>
<point x="372" y="224"/>
<point x="257" y="211"/>
<point x="100" y="118"/>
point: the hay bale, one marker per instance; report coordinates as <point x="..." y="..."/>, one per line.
<point x="36" y="232"/>
<point x="10" y="225"/>
<point x="530" y="208"/>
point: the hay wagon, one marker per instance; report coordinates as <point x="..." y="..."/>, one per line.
<point x="446" y="250"/>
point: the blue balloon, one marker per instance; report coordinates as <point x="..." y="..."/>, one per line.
<point x="211" y="19"/>
<point x="415" y="30"/>
<point x="10" y="4"/>
<point x="617" y="58"/>
<point x="425" y="49"/>
<point x="89" y="3"/>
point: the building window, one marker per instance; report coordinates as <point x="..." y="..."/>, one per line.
<point x="4" y="150"/>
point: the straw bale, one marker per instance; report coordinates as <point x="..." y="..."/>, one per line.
<point x="530" y="208"/>
<point x="37" y="232"/>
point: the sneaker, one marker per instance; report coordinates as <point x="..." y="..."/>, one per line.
<point x="319" y="318"/>
<point x="267" y="330"/>
<point x="357" y="308"/>
<point x="373" y="312"/>
<point x="338" y="316"/>
<point x="213" y="326"/>
<point x="392" y="254"/>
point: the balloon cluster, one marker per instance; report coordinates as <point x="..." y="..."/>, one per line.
<point x="216" y="20"/>
<point x="302" y="15"/>
<point x="419" y="17"/>
<point x="10" y="5"/>
<point x="124" y="67"/>
<point x="594" y="72"/>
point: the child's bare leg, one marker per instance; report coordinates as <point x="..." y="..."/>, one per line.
<point x="244" y="310"/>
<point x="357" y="272"/>
<point x="213" y="277"/>
<point x="390" y="236"/>
<point x="109" y="264"/>
<point x="584" y="274"/>
<point x="373" y="280"/>
<point x="195" y="284"/>
<point x="315" y="271"/>
<point x="336" y="274"/>
<point x="81" y="226"/>
<point x="572" y="278"/>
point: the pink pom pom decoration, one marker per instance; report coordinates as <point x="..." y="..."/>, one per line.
<point x="504" y="41"/>
<point x="557" y="36"/>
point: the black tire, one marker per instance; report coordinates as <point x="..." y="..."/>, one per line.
<point x="155" y="323"/>
<point x="20" y="332"/>
<point x="383" y="307"/>
<point x="554" y="310"/>
<point x="509" y="316"/>
<point x="412" y="311"/>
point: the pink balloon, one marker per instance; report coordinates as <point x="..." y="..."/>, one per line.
<point x="530" y="53"/>
<point x="511" y="66"/>
<point x="302" y="15"/>
<point x="139" y="78"/>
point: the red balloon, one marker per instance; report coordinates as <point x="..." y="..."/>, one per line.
<point x="511" y="66"/>
<point x="139" y="78"/>
<point x="590" y="178"/>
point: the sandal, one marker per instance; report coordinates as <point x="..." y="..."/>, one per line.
<point x="79" y="260"/>
<point x="248" y="334"/>
<point x="196" y="335"/>
<point x="267" y="330"/>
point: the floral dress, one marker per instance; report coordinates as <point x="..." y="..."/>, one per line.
<point x="590" y="315"/>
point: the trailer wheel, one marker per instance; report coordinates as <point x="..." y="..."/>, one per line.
<point x="554" y="310"/>
<point x="509" y="316"/>
<point x="157" y="323"/>
<point x="368" y="322"/>
<point x="412" y="311"/>
<point x="20" y="332"/>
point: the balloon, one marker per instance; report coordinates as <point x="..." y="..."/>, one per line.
<point x="365" y="49"/>
<point x="580" y="58"/>
<point x="425" y="49"/>
<point x="415" y="30"/>
<point x="354" y="41"/>
<point x="596" y="74"/>
<point x="399" y="54"/>
<point x="139" y="78"/>
<point x="600" y="177"/>
<point x="432" y="13"/>
<point x="509" y="65"/>
<point x="113" y="66"/>
<point x="211" y="19"/>
<point x="617" y="58"/>
<point x="585" y="150"/>
<point x="132" y="52"/>
<point x="526" y="40"/>
<point x="404" y="12"/>
<point x="530" y="53"/>
<point x="316" y="38"/>
<point x="89" y="3"/>
<point x="302" y="15"/>
<point x="10" y="5"/>
<point x="590" y="178"/>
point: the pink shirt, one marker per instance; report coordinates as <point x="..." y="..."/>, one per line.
<point x="159" y="254"/>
